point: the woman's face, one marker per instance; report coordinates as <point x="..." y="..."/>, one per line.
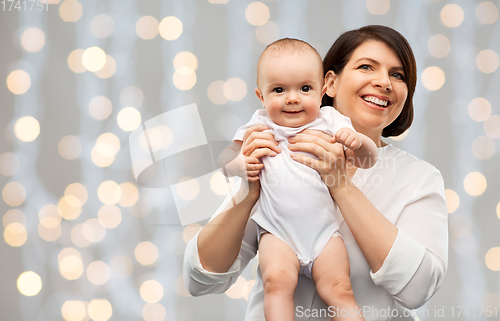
<point x="371" y="88"/>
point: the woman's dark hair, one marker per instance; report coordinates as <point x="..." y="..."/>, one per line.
<point x="342" y="50"/>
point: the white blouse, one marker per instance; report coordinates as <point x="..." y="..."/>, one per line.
<point x="410" y="193"/>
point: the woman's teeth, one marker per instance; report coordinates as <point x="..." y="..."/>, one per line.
<point x="376" y="101"/>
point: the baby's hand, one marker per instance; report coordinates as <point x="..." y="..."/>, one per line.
<point x="245" y="167"/>
<point x="348" y="137"/>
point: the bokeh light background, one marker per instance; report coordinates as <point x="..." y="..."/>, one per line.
<point x="82" y="241"/>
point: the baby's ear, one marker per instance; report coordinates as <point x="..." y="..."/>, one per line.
<point x="329" y="87"/>
<point x="259" y="94"/>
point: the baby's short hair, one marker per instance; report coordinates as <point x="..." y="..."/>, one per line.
<point x="287" y="46"/>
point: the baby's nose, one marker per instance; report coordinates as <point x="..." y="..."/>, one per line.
<point x="292" y="97"/>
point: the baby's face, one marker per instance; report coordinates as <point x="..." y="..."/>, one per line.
<point x="291" y="87"/>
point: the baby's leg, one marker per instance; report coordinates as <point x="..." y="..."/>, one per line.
<point x="280" y="271"/>
<point x="330" y="273"/>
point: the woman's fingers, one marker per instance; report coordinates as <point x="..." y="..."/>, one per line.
<point x="253" y="173"/>
<point x="306" y="160"/>
<point x="261" y="143"/>
<point x="317" y="133"/>
<point x="255" y="167"/>
<point x="315" y="149"/>
<point x="258" y="153"/>
<point x="311" y="138"/>
<point x="256" y="128"/>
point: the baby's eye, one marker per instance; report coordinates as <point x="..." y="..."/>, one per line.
<point x="305" y="88"/>
<point x="398" y="76"/>
<point x="278" y="90"/>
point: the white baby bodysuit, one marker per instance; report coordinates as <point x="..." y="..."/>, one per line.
<point x="294" y="204"/>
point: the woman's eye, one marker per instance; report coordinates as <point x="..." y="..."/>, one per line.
<point x="364" y="67"/>
<point x="278" y="90"/>
<point x="398" y="76"/>
<point x="306" y="88"/>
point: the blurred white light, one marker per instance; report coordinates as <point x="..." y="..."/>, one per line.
<point x="433" y="78"/>
<point x="257" y="13"/>
<point x="151" y="291"/>
<point x="102" y="26"/>
<point x="219" y="185"/>
<point x="439" y="46"/>
<point x="100" y="107"/>
<point x="487" y="12"/>
<point x="487" y="61"/>
<point x="479" y="109"/>
<point x="109" y="192"/>
<point x="18" y="82"/>
<point x="235" y="89"/>
<point x="74" y="311"/>
<point x="452" y="200"/>
<point x="185" y="59"/>
<point x="108" y="70"/>
<point x="216" y="92"/>
<point x="483" y="147"/>
<point x="29" y="283"/>
<point x="147" y="27"/>
<point x="14" y="193"/>
<point x="69" y="147"/>
<point x="267" y="33"/>
<point x="93" y="58"/>
<point x="452" y="15"/>
<point x="170" y="28"/>
<point x="184" y="78"/>
<point x="378" y="7"/>
<point x="98" y="272"/>
<point x="32" y="39"/>
<point x="492" y="126"/>
<point x="9" y="164"/>
<point x="75" y="61"/>
<point x="129" y="119"/>
<point x="100" y="310"/>
<point x="71" y="10"/>
<point x="475" y="184"/>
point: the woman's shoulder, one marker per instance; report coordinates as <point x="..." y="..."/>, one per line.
<point x="406" y="176"/>
<point x="403" y="162"/>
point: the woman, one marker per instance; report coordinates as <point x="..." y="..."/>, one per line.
<point x="395" y="215"/>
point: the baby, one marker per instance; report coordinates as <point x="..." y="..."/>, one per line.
<point x="297" y="220"/>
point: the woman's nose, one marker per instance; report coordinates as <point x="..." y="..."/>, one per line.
<point x="382" y="80"/>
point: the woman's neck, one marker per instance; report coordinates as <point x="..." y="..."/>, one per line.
<point x="375" y="135"/>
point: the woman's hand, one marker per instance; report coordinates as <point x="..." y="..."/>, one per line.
<point x="331" y="162"/>
<point x="258" y="144"/>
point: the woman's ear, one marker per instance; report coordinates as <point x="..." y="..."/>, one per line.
<point x="259" y="94"/>
<point x="330" y="84"/>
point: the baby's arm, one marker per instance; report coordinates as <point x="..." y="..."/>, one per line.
<point x="361" y="150"/>
<point x="234" y="163"/>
